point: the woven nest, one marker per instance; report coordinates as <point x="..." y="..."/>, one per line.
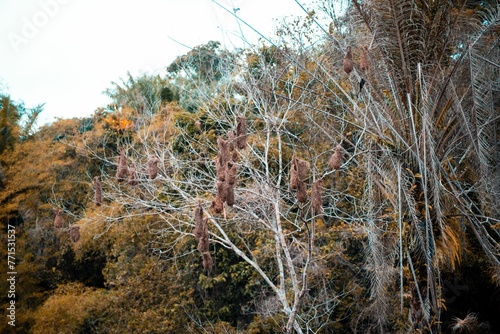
<point x="220" y="168"/>
<point x="301" y="192"/>
<point x="231" y="171"/>
<point x="316" y="201"/>
<point x="58" y="220"/>
<point x="122" y="170"/>
<point x="298" y="172"/>
<point x="199" y="222"/>
<point x="241" y="133"/>
<point x="347" y="63"/>
<point x="217" y="206"/>
<point x="207" y="263"/>
<point x="222" y="188"/>
<point x="223" y="147"/>
<point x="336" y="159"/>
<point x="132" y="176"/>
<point x="152" y="166"/>
<point x="74" y="233"/>
<point x="230" y="195"/>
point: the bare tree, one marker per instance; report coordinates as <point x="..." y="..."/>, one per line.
<point x="414" y="160"/>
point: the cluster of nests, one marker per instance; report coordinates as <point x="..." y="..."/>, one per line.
<point x="298" y="174"/>
<point x="74" y="230"/>
<point x="226" y="169"/>
<point x="226" y="178"/>
<point x="364" y="63"/>
<point x="125" y="173"/>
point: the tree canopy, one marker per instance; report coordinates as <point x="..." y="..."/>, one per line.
<point x="340" y="177"/>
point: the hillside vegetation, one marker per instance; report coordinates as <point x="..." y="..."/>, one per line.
<point x="341" y="177"/>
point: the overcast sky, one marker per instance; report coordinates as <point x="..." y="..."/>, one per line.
<point x="65" y="53"/>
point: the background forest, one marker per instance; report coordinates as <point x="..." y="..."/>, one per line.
<point x="339" y="177"/>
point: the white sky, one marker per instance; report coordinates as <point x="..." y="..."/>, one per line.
<point x="65" y="53"/>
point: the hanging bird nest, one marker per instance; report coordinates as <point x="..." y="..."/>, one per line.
<point x="203" y="242"/>
<point x="207" y="263"/>
<point x="132" y="176"/>
<point x="303" y="169"/>
<point x="348" y="63"/>
<point x="316" y="201"/>
<point x="364" y="63"/>
<point x="301" y="192"/>
<point x="231" y="171"/>
<point x="74" y="233"/>
<point x="220" y="168"/>
<point x="122" y="170"/>
<point x="241" y="132"/>
<point x="97" y="191"/>
<point x="152" y="166"/>
<point x="230" y="195"/>
<point x="217" y="206"/>
<point x="298" y="172"/>
<point x="231" y="140"/>
<point x="58" y="220"/>
<point x="337" y="157"/>
<point x="198" y="222"/>
<point x="223" y="147"/>
<point x="222" y="191"/>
